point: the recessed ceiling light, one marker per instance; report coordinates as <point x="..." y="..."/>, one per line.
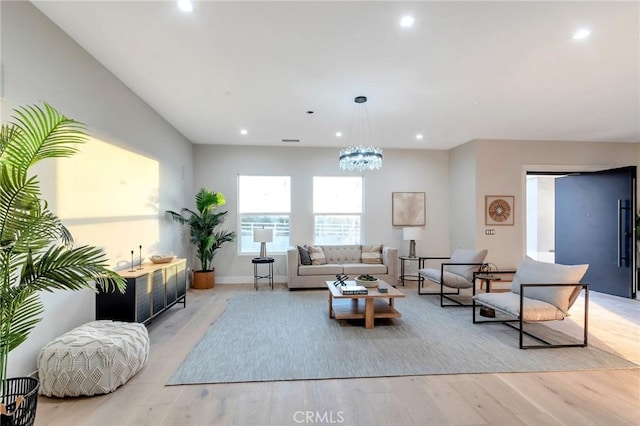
<point x="419" y="136"/>
<point x="407" y="21"/>
<point x="185" y="5"/>
<point x="581" y="34"/>
<point x="244" y="131"/>
<point x="338" y="134"/>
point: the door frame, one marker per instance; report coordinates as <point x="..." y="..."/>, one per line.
<point x="573" y="168"/>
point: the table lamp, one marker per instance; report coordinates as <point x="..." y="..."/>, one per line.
<point x="262" y="236"/>
<point x="411" y="235"/>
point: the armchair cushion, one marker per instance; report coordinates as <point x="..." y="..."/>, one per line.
<point x="534" y="310"/>
<point x="533" y="272"/>
<point x="466" y="256"/>
<point x="450" y="279"/>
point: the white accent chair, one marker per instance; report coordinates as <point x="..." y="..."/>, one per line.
<point x="540" y="291"/>
<point x="458" y="273"/>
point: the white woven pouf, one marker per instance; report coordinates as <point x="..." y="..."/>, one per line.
<point x="92" y="359"/>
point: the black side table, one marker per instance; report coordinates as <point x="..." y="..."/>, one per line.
<point x="409" y="277"/>
<point x="262" y="260"/>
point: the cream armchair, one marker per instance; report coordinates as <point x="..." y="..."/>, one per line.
<point x="458" y="273"/>
<point x="540" y="291"/>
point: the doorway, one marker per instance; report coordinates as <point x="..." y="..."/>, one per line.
<point x="585" y="217"/>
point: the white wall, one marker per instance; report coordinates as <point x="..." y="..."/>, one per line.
<point x="217" y="168"/>
<point x="41" y="63"/>
<point x="501" y="167"/>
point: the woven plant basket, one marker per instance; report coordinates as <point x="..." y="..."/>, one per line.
<point x="25" y="415"/>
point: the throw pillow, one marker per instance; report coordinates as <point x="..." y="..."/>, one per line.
<point x="305" y="258"/>
<point x="371" y="254"/>
<point x="465" y="256"/>
<point x="534" y="272"/>
<point x="317" y="255"/>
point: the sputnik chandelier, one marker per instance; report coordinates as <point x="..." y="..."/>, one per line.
<point x="360" y="158"/>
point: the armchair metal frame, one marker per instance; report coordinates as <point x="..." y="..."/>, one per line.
<point x="447" y="295"/>
<point x="518" y="322"/>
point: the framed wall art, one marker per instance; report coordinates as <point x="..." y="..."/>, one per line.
<point x="498" y="210"/>
<point x="408" y="208"/>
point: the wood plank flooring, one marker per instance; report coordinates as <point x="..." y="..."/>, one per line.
<point x="608" y="397"/>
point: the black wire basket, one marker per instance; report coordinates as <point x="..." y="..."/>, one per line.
<point x="25" y="414"/>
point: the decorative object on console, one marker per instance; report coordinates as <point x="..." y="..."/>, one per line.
<point x="202" y="227"/>
<point x="262" y="236"/>
<point x="360" y="158"/>
<point x="498" y="210"/>
<point x="165" y="258"/>
<point x="408" y="208"/>
<point x="412" y="234"/>
<point x="140" y="262"/>
<point x="131" y="270"/>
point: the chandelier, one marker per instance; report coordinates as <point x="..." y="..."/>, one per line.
<point x="360" y="158"/>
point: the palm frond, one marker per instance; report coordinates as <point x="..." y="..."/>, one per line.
<point x="43" y="133"/>
<point x="20" y="313"/>
<point x="61" y="268"/>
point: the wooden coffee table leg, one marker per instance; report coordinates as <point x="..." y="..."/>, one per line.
<point x="330" y="305"/>
<point x="368" y="312"/>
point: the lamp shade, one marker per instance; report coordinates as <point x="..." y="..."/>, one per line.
<point x="261" y="235"/>
<point x="412" y="233"/>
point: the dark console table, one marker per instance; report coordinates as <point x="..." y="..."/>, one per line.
<point x="150" y="291"/>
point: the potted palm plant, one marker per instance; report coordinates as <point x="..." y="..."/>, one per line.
<point x="204" y="235"/>
<point x="36" y="250"/>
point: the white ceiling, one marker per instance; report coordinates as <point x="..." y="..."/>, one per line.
<point x="466" y="70"/>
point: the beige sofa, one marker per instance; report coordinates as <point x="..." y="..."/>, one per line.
<point x="342" y="259"/>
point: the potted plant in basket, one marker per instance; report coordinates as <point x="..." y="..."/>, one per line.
<point x="202" y="226"/>
<point x="36" y="250"/>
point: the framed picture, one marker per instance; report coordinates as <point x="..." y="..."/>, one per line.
<point x="498" y="210"/>
<point x="408" y="208"/>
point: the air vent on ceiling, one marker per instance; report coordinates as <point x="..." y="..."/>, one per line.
<point x="291" y="140"/>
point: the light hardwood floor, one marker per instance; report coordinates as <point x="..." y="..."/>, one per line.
<point x="607" y="397"/>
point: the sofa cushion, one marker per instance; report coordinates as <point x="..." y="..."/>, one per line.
<point x="450" y="280"/>
<point x="305" y="257"/>
<point x="534" y="310"/>
<point x="465" y="256"/>
<point x="534" y="272"/>
<point x="371" y="254"/>
<point x="317" y="255"/>
<point x="355" y="269"/>
<point x="327" y="269"/>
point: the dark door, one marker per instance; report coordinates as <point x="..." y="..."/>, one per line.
<point x="595" y="219"/>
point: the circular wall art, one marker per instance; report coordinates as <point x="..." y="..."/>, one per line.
<point x="498" y="210"/>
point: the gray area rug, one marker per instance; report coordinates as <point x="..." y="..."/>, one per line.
<point x="289" y="336"/>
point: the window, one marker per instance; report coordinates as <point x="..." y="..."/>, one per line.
<point x="264" y="202"/>
<point x="337" y="209"/>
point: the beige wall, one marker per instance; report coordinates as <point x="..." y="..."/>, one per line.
<point x="463" y="196"/>
<point x="100" y="201"/>
<point x="217" y="168"/>
<point x="501" y="168"/>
